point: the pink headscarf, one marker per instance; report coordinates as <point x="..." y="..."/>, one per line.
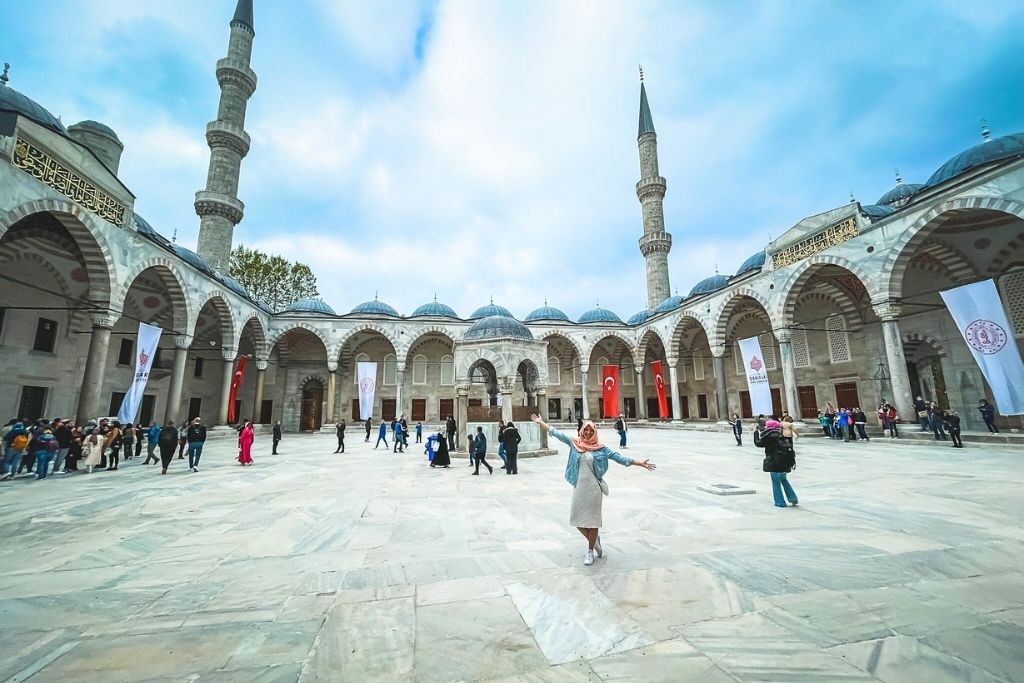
<point x="587" y="438"/>
<point x="772" y="424"/>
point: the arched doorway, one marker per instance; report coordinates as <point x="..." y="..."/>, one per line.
<point x="311" y="411"/>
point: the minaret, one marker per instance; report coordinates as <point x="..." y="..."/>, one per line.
<point x="218" y="206"/>
<point x="655" y="243"/>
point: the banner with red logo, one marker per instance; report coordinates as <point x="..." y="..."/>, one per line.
<point x="146" y="345"/>
<point x="236" y="384"/>
<point x="757" y="377"/>
<point x="659" y="388"/>
<point x="978" y="313"/>
<point x="610" y="390"/>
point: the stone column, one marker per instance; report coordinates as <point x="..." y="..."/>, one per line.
<point x="889" y="313"/>
<point x="542" y="406"/>
<point x="461" y="414"/>
<point x="721" y="393"/>
<point x="261" y="372"/>
<point x="399" y="386"/>
<point x="586" y="403"/>
<point x="641" y="399"/>
<point x="225" y="386"/>
<point x="332" y="378"/>
<point x="785" y="339"/>
<point x="673" y="377"/>
<point x="95" y="365"/>
<point x="181" y="344"/>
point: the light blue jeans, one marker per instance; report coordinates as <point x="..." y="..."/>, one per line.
<point x="43" y="459"/>
<point x="779" y="484"/>
<point x="622" y="439"/>
<point x="501" y="454"/>
<point x="195" y="451"/>
<point x="12" y="459"/>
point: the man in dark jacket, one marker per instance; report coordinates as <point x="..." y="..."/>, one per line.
<point x="480" y="451"/>
<point x="449" y="430"/>
<point x="952" y="421"/>
<point x="61" y="432"/>
<point x="369" y="426"/>
<point x="922" y="412"/>
<point x="277" y="436"/>
<point x="196" y="437"/>
<point x="511" y="438"/>
<point x="340" y="428"/>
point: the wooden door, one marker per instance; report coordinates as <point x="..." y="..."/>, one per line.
<point x="266" y="411"/>
<point x="846" y="395"/>
<point x="629" y="407"/>
<point x="446" y="407"/>
<point x="776" y="402"/>
<point x="148" y="406"/>
<point x="745" y="408"/>
<point x="702" y="406"/>
<point x="195" y="408"/>
<point x="653" y="411"/>
<point x="311" y="416"/>
<point x="356" y="414"/>
<point x="685" y="407"/>
<point x="554" y="409"/>
<point x="388" y="406"/>
<point x="808" y="402"/>
<point x="419" y="409"/>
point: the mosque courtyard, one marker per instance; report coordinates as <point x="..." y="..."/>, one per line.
<point x="901" y="564"/>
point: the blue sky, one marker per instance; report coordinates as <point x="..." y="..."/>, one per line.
<point x="476" y="148"/>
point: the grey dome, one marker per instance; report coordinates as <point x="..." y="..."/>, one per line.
<point x="755" y="262"/>
<point x="599" y="315"/>
<point x="709" y="284"/>
<point x="899" y="193"/>
<point x="309" y="306"/>
<point x="234" y="285"/>
<point x="96" y="127"/>
<point x="496" y="327"/>
<point x="12" y="100"/>
<point x="491" y="309"/>
<point x="546" y="312"/>
<point x="669" y="304"/>
<point x="378" y="307"/>
<point x="640" y="317"/>
<point x="1006" y="147"/>
<point x="875" y="212"/>
<point x="191" y="257"/>
<point x="435" y="309"/>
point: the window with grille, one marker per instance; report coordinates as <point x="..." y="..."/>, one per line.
<point x="838" y="339"/>
<point x="577" y="374"/>
<point x="360" y="358"/>
<point x="801" y="353"/>
<point x="46" y="335"/>
<point x="767" y="342"/>
<point x="419" y="369"/>
<point x="738" y="355"/>
<point x="390" y="369"/>
<point x="626" y="375"/>
<point x="447" y="371"/>
<point x="698" y="368"/>
<point x="1012" y="285"/>
<point x="554" y="370"/>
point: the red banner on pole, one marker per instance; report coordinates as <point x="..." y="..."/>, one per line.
<point x="610" y="390"/>
<point x="236" y="384"/>
<point x="659" y="387"/>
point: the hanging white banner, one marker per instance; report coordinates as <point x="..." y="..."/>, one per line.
<point x="981" y="319"/>
<point x="145" y="350"/>
<point x="757" y="376"/>
<point x="367" y="373"/>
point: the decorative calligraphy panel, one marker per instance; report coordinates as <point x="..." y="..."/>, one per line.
<point x="830" y="237"/>
<point x="48" y="170"/>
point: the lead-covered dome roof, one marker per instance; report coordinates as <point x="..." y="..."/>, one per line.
<point x="497" y="327"/>
<point x="491" y="309"/>
<point x="375" y="307"/>
<point x="191" y="257"/>
<point x="12" y="100"/>
<point x="998" y="149"/>
<point x="640" y="317"/>
<point x="669" y="304"/>
<point x="546" y="312"/>
<point x="709" y="285"/>
<point x="309" y="306"/>
<point x="599" y="315"/>
<point x="96" y="127"/>
<point x="755" y="262"/>
<point x="435" y="309"/>
<point x="901" y="192"/>
<point x="875" y="212"/>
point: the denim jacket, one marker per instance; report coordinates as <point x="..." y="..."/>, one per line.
<point x="601" y="457"/>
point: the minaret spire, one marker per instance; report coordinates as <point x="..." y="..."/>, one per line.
<point x="218" y="206"/>
<point x="655" y="242"/>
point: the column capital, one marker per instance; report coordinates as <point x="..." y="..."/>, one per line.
<point x="888" y="310"/>
<point x="672" y="361"/>
<point x="462" y="390"/>
<point x="783" y="335"/>
<point x="332" y="366"/>
<point x="262" y="365"/>
<point x="639" y="369"/>
<point x="718" y="350"/>
<point x="229" y="355"/>
<point x="104" y="317"/>
<point x="542" y="391"/>
<point x="584" y="369"/>
<point x="182" y="341"/>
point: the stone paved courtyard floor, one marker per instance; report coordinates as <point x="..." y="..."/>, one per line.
<point x="900" y="565"/>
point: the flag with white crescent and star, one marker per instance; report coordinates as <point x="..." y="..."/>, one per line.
<point x="610" y="390"/>
<point x="659" y="387"/>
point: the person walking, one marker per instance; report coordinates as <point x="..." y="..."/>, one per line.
<point x="860" y="421"/>
<point x="62" y="433"/>
<point x="510" y="440"/>
<point x="382" y="434"/>
<point x="952" y="420"/>
<point x="470" y="449"/>
<point x="196" y="437"/>
<point x="479" y="451"/>
<point x="779" y="460"/>
<point x="501" y="445"/>
<point x="449" y="430"/>
<point x="128" y="440"/>
<point x="182" y="440"/>
<point x="16" y="443"/>
<point x="737" y="428"/>
<point x="245" y="440"/>
<point x="341" y="436"/>
<point x="620" y="427"/>
<point x="988" y="414"/>
<point x="922" y="413"/>
<point x="585" y="470"/>
<point x="419" y="432"/>
<point x="276" y="436"/>
<point x="152" y="437"/>
<point x="405" y="431"/>
<point x="935" y="421"/>
<point x="168" y="441"/>
<point x="399" y="437"/>
<point x="140" y="430"/>
<point x="442" y="458"/>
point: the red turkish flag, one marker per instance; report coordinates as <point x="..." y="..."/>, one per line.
<point x="659" y="387"/>
<point x="236" y="384"/>
<point x="610" y="389"/>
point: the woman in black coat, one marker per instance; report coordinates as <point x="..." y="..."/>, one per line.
<point x="441" y="457"/>
<point x="779" y="460"/>
<point x="168" y="442"/>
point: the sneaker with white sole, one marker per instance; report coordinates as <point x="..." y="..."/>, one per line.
<point x="589" y="559"/>
<point x="598" y="549"/>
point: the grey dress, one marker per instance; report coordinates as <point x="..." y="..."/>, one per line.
<point x="586" y="496"/>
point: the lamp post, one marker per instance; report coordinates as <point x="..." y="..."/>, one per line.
<point x="882" y="377"/>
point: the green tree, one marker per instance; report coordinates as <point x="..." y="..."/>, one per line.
<point x="273" y="280"/>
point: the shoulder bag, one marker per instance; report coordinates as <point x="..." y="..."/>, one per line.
<point x="600" y="482"/>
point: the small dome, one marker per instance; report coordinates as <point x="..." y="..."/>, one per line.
<point x="12" y="100"/>
<point x="309" y="306"/>
<point x="375" y="307"/>
<point x="435" y="309"/>
<point x="95" y="127"/>
<point x="709" y="284"/>
<point x="1006" y="147"/>
<point x="143" y="227"/>
<point x="546" y="312"/>
<point x="491" y="309"/>
<point x="755" y="262"/>
<point x="669" y="304"/>
<point x="899" y="194"/>
<point x="496" y="327"/>
<point x="640" y="317"/>
<point x="191" y="257"/>
<point x="875" y="212"/>
<point x="599" y="315"/>
<point x="234" y="285"/>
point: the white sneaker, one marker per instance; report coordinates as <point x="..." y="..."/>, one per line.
<point x="598" y="549"/>
<point x="589" y="559"/>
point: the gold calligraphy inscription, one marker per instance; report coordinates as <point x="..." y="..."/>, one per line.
<point x="48" y="170"/>
<point x="829" y="237"/>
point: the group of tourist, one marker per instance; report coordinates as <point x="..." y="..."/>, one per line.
<point x="846" y="424"/>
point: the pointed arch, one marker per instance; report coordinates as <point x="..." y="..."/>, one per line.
<point x="346" y="335"/>
<point x="169" y="275"/>
<point x="299" y="325"/>
<point x="686" y="319"/>
<point x="225" y="315"/>
<point x="422" y="335"/>
<point x="259" y="335"/>
<point x="649" y="334"/>
<point x="728" y="305"/>
<point x="614" y="334"/>
<point x="794" y="284"/>
<point x="572" y="342"/>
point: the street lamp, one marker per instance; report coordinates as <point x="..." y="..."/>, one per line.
<point x="882" y="377"/>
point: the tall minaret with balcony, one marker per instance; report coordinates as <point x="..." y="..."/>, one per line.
<point x="655" y="243"/>
<point x="218" y="206"/>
